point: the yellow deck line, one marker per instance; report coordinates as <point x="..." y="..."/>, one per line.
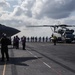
<point x="4" y="69"/>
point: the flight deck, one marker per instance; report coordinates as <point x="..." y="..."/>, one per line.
<point x="40" y="59"/>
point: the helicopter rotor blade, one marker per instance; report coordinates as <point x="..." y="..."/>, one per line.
<point x="62" y="26"/>
<point x="42" y="26"/>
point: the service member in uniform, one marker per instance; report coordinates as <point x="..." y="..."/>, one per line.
<point x="23" y="39"/>
<point x="4" y="47"/>
<point x="54" y="40"/>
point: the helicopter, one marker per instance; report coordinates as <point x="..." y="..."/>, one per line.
<point x="9" y="31"/>
<point x="61" y="31"/>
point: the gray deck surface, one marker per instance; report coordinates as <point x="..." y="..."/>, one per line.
<point x="40" y="59"/>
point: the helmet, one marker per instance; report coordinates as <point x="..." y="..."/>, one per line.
<point x="3" y="34"/>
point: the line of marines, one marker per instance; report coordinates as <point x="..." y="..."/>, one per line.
<point x="38" y="39"/>
<point x="4" y="41"/>
<point x="16" y="42"/>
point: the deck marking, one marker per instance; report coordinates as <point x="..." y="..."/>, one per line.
<point x="4" y="69"/>
<point x="32" y="54"/>
<point x="29" y="52"/>
<point x="47" y="65"/>
<point x="35" y="56"/>
<point x="52" y="68"/>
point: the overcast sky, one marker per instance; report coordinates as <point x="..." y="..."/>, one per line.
<point x="19" y="13"/>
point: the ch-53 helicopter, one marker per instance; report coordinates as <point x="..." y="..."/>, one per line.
<point x="62" y="32"/>
<point x="9" y="31"/>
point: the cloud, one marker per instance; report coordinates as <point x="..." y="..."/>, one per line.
<point x="4" y="4"/>
<point x="24" y="8"/>
<point x="37" y="12"/>
<point x="55" y="9"/>
<point x="17" y="11"/>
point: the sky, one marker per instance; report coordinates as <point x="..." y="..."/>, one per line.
<point x="21" y="13"/>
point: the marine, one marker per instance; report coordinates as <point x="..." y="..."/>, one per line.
<point x="4" y="47"/>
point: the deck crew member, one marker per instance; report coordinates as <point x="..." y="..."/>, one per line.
<point x="4" y="47"/>
<point x="23" y="39"/>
